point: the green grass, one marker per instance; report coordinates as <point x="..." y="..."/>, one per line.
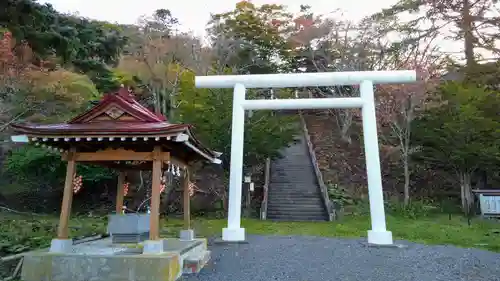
<point x="22" y="233"/>
<point x="431" y="230"/>
<point x="19" y="233"/>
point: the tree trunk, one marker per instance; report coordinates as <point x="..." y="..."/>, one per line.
<point x="466" y="192"/>
<point x="157" y="101"/>
<point x="469" y="38"/>
<point x="407" y="179"/>
<point x="171" y="100"/>
<point x="344" y="123"/>
<point x="344" y="132"/>
<point x="164" y="108"/>
<point x="406" y="151"/>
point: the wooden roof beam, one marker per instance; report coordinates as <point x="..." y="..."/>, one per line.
<point x="116" y="155"/>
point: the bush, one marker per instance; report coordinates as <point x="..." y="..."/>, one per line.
<point x="39" y="168"/>
<point x="416" y="209"/>
<point x="339" y="196"/>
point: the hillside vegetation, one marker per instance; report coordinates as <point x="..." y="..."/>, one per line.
<point x="438" y="139"/>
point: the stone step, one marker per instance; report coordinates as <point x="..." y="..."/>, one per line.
<point x="299" y="162"/>
<point x="291" y="157"/>
<point x="295" y="160"/>
<point x="286" y="172"/>
<point x="297" y="174"/>
<point x="294" y="199"/>
<point x="293" y="180"/>
<point x="291" y="165"/>
<point x="290" y="219"/>
<point x="194" y="263"/>
<point x="318" y="213"/>
<point x="284" y="183"/>
<point x="297" y="212"/>
<point x="304" y="207"/>
<point x="296" y="207"/>
<point x="297" y="200"/>
<point x="306" y="186"/>
<point x="296" y="204"/>
<point x="294" y="194"/>
<point x="291" y="177"/>
<point x="291" y="189"/>
<point x="297" y="218"/>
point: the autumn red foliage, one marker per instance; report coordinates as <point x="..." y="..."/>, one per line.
<point x="15" y="61"/>
<point x="395" y="101"/>
<point x="7" y="58"/>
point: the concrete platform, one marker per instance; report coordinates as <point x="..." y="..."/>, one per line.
<point x="103" y="261"/>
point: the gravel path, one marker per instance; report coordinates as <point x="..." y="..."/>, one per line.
<point x="299" y="258"/>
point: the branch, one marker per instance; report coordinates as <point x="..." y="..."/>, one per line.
<point x="4" y="126"/>
<point x="19" y="212"/>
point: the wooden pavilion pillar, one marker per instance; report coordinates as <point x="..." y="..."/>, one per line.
<point x="120" y="192"/>
<point x="187" y="233"/>
<point x="187" y="201"/>
<point x="62" y="230"/>
<point x="154" y="232"/>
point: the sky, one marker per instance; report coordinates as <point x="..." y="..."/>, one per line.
<point x="194" y="14"/>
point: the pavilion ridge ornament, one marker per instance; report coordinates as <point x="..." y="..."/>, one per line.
<point x="114" y="112"/>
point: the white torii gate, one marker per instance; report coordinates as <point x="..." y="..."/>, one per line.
<point x="234" y="232"/>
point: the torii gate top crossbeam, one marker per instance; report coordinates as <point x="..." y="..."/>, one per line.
<point x="316" y="79"/>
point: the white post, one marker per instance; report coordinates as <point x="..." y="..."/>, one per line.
<point x="234" y="232"/>
<point x="378" y="234"/>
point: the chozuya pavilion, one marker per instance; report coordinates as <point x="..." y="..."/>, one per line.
<point x="120" y="133"/>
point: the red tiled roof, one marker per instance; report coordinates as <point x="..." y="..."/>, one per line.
<point x="126" y="101"/>
<point x="141" y="120"/>
<point x="99" y="122"/>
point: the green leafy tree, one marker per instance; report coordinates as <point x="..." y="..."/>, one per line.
<point x="32" y="92"/>
<point x="460" y="134"/>
<point x="62" y="94"/>
<point x="210" y="111"/>
<point x="472" y="22"/>
<point x="27" y="163"/>
<point x="153" y="56"/>
<point x="87" y="45"/>
<point x="252" y="39"/>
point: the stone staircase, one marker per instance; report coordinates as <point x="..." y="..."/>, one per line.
<point x="294" y="194"/>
